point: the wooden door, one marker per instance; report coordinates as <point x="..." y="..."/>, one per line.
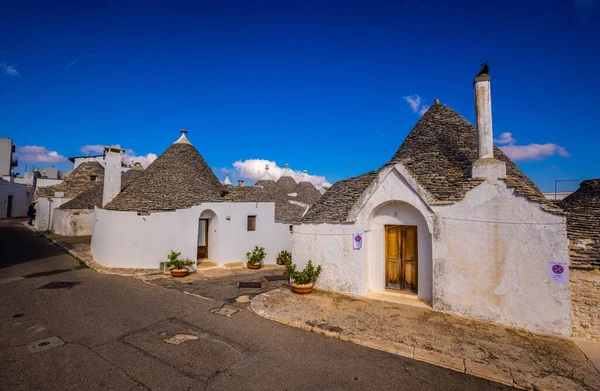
<point x="202" y="238"/>
<point x="401" y="259"/>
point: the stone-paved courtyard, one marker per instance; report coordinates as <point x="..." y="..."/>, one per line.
<point x="506" y="355"/>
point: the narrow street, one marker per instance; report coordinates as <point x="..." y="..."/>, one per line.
<point x="109" y="332"/>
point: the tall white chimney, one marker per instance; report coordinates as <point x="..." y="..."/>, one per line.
<point x="112" y="173"/>
<point x="486" y="166"/>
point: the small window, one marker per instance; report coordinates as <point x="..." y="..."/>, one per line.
<point x="93" y="178"/>
<point x="291" y="228"/>
<point x="251" y="223"/>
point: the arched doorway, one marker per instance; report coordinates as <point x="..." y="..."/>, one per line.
<point x="207" y="227"/>
<point x="399" y="251"/>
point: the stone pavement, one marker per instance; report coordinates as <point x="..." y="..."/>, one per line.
<point x="510" y="356"/>
<point x="108" y="332"/>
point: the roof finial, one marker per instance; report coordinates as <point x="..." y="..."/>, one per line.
<point x="267" y="167"/>
<point x="287" y="165"/>
<point x="183" y="139"/>
<point x="436" y="101"/>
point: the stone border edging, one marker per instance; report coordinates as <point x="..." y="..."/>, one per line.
<point x="257" y="305"/>
<point x="89" y="261"/>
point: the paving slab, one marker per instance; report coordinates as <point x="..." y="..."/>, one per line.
<point x="505" y="355"/>
<point x="189" y="357"/>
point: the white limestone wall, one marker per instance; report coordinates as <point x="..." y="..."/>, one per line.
<point x="331" y="246"/>
<point x="73" y="222"/>
<point x="20" y="199"/>
<point x="45" y="208"/>
<point x="395" y="202"/>
<point x="390" y="201"/>
<point x="491" y="256"/>
<point x="126" y="239"/>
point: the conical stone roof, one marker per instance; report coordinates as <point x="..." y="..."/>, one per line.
<point x="583" y="224"/>
<point x="438" y="152"/>
<point x="177" y="179"/>
<point x="84" y="177"/>
<point x="93" y="197"/>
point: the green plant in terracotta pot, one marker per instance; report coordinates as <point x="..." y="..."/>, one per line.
<point x="255" y="257"/>
<point x="178" y="267"/>
<point x="284" y="257"/>
<point x="303" y="281"/>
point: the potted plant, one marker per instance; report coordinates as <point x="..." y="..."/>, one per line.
<point x="256" y="257"/>
<point x="303" y="281"/>
<point x="284" y="257"/>
<point x="178" y="267"/>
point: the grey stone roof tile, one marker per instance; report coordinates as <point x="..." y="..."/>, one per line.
<point x="77" y="182"/>
<point x="583" y="224"/>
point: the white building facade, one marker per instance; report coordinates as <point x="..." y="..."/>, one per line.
<point x="178" y="204"/>
<point x="448" y="223"/>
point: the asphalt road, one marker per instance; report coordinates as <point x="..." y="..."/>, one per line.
<point x="109" y="333"/>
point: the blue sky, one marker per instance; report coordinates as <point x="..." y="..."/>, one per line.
<point x="319" y="85"/>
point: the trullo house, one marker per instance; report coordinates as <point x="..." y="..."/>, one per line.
<point x="178" y="203"/>
<point x="449" y="219"/>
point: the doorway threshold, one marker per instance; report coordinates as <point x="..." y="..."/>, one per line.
<point x="399" y="298"/>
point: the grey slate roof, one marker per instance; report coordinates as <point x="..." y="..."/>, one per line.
<point x="335" y="204"/>
<point x="307" y="193"/>
<point x="179" y="178"/>
<point x="583" y="224"/>
<point x="76" y="183"/>
<point x="93" y="197"/>
<point x="286" y="184"/>
<point x="438" y="152"/>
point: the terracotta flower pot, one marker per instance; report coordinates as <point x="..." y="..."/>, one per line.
<point x="302" y="288"/>
<point x="254" y="266"/>
<point x="180" y="272"/>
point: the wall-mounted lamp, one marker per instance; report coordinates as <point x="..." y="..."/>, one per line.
<point x="228" y="218"/>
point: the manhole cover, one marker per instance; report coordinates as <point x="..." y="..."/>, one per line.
<point x="224" y="311"/>
<point x="249" y="284"/>
<point x="45" y="344"/>
<point x="60" y="285"/>
<point x="180" y="338"/>
<point x="48" y="273"/>
<point x="276" y="278"/>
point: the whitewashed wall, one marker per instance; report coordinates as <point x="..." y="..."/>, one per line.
<point x="73" y="222"/>
<point x="20" y="199"/>
<point x="126" y="239"/>
<point x="491" y="261"/>
<point x="389" y="201"/>
<point x="485" y="257"/>
<point x="45" y="208"/>
<point x="331" y="246"/>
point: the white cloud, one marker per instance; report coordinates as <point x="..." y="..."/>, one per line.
<point x="416" y="104"/>
<point x="254" y="170"/>
<point x="9" y="70"/>
<point x="423" y="109"/>
<point x="534" y="151"/>
<point x="129" y="157"/>
<point x="35" y="153"/>
<point x="145" y="160"/>
<point x="94" y="149"/>
<point x="505" y="138"/>
<point x="530" y="151"/>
